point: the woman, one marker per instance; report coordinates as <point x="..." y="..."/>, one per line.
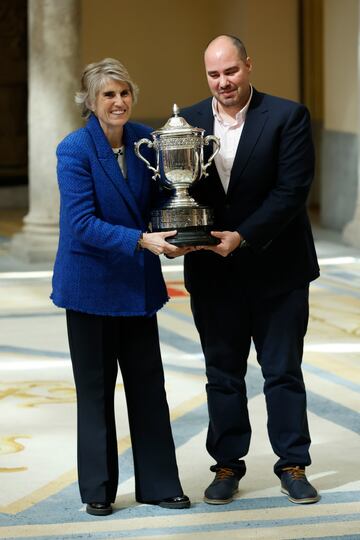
<point x="107" y="276"/>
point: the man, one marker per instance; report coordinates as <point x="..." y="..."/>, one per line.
<point x="254" y="284"/>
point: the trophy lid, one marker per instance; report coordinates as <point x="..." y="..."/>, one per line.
<point x="177" y="125"/>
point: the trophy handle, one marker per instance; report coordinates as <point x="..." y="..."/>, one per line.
<point x="216" y="142"/>
<point x="139" y="155"/>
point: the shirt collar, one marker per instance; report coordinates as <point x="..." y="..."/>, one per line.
<point x="240" y="116"/>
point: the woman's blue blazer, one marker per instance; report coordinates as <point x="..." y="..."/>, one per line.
<point x="98" y="269"/>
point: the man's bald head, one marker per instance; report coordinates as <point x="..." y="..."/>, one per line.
<point x="228" y="71"/>
<point x="229" y="39"/>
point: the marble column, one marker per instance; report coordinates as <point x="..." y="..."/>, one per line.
<point x="54" y="52"/>
<point x="351" y="232"/>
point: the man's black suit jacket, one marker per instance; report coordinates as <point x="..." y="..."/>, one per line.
<point x="266" y="201"/>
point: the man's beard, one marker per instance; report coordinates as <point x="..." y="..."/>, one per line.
<point x="230" y="102"/>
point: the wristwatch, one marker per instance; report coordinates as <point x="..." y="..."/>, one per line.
<point x="243" y="243"/>
<point x="138" y="245"/>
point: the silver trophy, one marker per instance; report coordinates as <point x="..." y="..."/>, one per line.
<point x="179" y="162"/>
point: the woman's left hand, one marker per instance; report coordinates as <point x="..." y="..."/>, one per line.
<point x="157" y="244"/>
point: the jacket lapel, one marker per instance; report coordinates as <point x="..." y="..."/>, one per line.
<point x="206" y="121"/>
<point x="111" y="167"/>
<point x="207" y="117"/>
<point x="256" y="119"/>
<point x="135" y="176"/>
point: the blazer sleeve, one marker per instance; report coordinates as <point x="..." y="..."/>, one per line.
<point x="78" y="204"/>
<point x="294" y="176"/>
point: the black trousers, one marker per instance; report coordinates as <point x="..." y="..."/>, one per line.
<point x="97" y="345"/>
<point x="227" y="320"/>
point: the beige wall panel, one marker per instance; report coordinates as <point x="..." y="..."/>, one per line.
<point x="269" y="29"/>
<point x="162" y="42"/>
<point x="341" y="65"/>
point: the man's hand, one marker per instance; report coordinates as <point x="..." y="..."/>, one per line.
<point x="229" y="240"/>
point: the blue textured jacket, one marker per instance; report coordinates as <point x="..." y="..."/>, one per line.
<point x="97" y="268"/>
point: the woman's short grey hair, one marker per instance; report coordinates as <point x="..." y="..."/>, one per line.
<point x="94" y="77"/>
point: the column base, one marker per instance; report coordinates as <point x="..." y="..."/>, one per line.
<point x="33" y="247"/>
<point x="351" y="232"/>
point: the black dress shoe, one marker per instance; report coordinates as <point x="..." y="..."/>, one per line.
<point x="297" y="487"/>
<point x="99" y="509"/>
<point x="177" y="503"/>
<point x="223" y="488"/>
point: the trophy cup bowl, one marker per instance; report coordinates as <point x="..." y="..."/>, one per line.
<point x="179" y="150"/>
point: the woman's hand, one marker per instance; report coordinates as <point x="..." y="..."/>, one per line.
<point x="179" y="251"/>
<point x="156" y="242"/>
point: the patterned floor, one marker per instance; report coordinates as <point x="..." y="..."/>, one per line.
<point x="38" y="491"/>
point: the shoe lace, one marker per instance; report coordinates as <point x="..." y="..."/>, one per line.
<point x="296" y="472"/>
<point x="224" y="472"/>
